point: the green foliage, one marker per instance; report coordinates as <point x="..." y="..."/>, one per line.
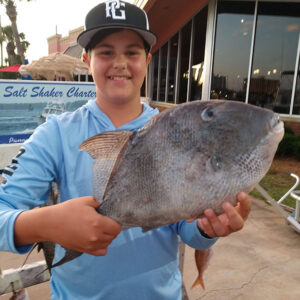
<point x="9" y="35"/>
<point x="276" y="185"/>
<point x="288" y="130"/>
<point x="6" y="35"/>
<point x="289" y="146"/>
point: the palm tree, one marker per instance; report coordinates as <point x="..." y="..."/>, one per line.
<point x="7" y="36"/>
<point x="12" y="58"/>
<point x="11" y="11"/>
<point x="2" y="39"/>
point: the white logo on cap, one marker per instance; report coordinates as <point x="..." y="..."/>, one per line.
<point x="113" y="10"/>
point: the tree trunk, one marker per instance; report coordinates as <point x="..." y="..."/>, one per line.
<point x="1" y="42"/>
<point x="10" y="49"/>
<point x="12" y="14"/>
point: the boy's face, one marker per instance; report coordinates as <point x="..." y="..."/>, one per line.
<point x="118" y="64"/>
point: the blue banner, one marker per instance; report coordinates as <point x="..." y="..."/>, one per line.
<point x="24" y="105"/>
<point x="13" y="139"/>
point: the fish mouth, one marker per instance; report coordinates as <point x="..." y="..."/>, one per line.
<point x="276" y="130"/>
<point x="277" y="126"/>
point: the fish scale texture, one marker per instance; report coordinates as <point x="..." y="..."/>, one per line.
<point x="185" y="161"/>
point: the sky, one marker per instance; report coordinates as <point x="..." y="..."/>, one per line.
<point x="39" y="19"/>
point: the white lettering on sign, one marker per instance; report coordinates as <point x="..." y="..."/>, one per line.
<point x="113" y="10"/>
<point x="21" y="92"/>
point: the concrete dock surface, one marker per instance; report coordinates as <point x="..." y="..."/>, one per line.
<point x="260" y="262"/>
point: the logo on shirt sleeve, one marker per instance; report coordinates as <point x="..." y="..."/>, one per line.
<point x="9" y="170"/>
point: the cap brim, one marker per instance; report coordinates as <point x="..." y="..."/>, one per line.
<point x="85" y="37"/>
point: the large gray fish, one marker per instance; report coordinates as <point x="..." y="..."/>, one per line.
<point x="189" y="158"/>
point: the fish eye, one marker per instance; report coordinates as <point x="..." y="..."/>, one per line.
<point x="216" y="162"/>
<point x="207" y="114"/>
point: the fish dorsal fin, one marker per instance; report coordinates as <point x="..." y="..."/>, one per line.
<point x="106" y="148"/>
<point x="106" y="144"/>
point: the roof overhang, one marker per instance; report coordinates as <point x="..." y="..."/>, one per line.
<point x="168" y="16"/>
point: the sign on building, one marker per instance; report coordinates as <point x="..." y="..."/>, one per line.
<point x="24" y="105"/>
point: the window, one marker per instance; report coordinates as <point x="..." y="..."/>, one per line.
<point x="198" y="54"/>
<point x="296" y="107"/>
<point x="172" y="68"/>
<point x="184" y="62"/>
<point x="163" y="72"/>
<point x="155" y="75"/>
<point x="275" y="52"/>
<point x="232" y="50"/>
<point x="172" y="63"/>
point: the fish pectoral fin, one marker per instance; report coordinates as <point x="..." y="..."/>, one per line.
<point x="106" y="144"/>
<point x="199" y="281"/>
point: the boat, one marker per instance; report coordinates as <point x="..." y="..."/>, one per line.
<point x="55" y="107"/>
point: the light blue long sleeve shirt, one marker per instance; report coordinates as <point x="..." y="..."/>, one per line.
<point x="138" y="265"/>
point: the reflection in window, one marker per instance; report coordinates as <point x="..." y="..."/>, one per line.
<point x="276" y="43"/>
<point x="163" y="72"/>
<point x="296" y="108"/>
<point x="172" y="66"/>
<point x="232" y="50"/>
<point x="198" y="54"/>
<point x="184" y="67"/>
<point x="155" y="58"/>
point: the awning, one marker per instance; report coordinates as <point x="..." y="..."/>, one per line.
<point x="14" y="69"/>
<point x="55" y="65"/>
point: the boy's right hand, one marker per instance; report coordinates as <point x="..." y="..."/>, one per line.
<point x="74" y="224"/>
<point x="80" y="227"/>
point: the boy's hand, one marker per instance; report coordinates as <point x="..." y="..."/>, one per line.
<point x="80" y="227"/>
<point x="231" y="220"/>
<point x="74" y="224"/>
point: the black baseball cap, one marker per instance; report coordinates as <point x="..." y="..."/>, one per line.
<point x="116" y="14"/>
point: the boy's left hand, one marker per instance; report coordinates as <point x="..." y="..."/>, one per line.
<point x="231" y="220"/>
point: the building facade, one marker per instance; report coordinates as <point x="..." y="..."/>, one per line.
<point x="217" y="49"/>
<point x="58" y="43"/>
<point x="68" y="45"/>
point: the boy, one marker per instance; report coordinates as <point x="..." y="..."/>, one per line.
<point x="137" y="265"/>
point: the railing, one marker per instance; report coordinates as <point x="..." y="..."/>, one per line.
<point x="294" y="218"/>
<point x="12" y="280"/>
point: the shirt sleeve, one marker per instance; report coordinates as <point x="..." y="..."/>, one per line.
<point x="27" y="180"/>
<point x="191" y="235"/>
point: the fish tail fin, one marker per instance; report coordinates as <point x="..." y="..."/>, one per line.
<point x="198" y="281"/>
